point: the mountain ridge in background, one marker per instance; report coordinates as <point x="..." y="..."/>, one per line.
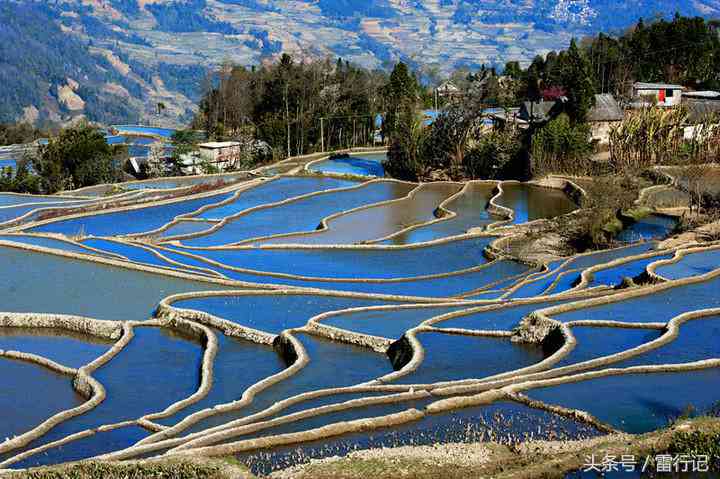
<point x="114" y="61"/>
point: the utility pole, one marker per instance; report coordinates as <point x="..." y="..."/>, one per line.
<point x="322" y="135"/>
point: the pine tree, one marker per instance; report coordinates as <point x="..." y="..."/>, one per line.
<point x="576" y="74"/>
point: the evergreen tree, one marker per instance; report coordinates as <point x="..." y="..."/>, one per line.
<point x="400" y="93"/>
<point x="576" y="78"/>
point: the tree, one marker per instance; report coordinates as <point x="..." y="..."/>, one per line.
<point x="79" y="156"/>
<point x="405" y="155"/>
<point x="576" y="78"/>
<point x="400" y="93"/>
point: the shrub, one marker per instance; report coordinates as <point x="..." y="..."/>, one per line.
<point x="497" y="155"/>
<point x="562" y="147"/>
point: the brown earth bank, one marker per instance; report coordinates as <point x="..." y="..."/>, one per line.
<point x="529" y="460"/>
<point x="538" y="459"/>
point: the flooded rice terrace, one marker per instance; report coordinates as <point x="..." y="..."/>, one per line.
<point x="280" y="317"/>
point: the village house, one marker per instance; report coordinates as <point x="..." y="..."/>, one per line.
<point x="224" y="155"/>
<point x="603" y="116"/>
<point x="661" y="94"/>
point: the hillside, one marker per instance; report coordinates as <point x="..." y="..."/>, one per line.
<point x="115" y="60"/>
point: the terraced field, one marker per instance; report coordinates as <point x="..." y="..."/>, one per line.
<point x="282" y="317"/>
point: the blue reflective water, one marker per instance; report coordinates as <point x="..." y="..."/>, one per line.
<point x="67" y="348"/>
<point x="470" y="211"/>
<point x="387" y="323"/>
<point x="382" y="220"/>
<point x="453" y="285"/>
<point x="52" y="243"/>
<point x="614" y="276"/>
<point x="530" y="202"/>
<point x="450" y="357"/>
<point x="21" y="383"/>
<point x="304" y="214"/>
<point x="273" y="191"/>
<point x="86" y="448"/>
<point x="358" y="365"/>
<point x="157" y="368"/>
<point x="504" y="317"/>
<point x="640" y="402"/>
<point x="694" y="264"/>
<point x="143" y="130"/>
<point x="697" y="341"/>
<point x="44" y="283"/>
<point x="597" y="342"/>
<point x="186" y="227"/>
<point x="504" y="420"/>
<point x="354" y="262"/>
<point x="238" y="365"/>
<point x="272" y="313"/>
<point x="368" y="164"/>
<point x="652" y="227"/>
<point x="129" y="222"/>
<point x="655" y="307"/>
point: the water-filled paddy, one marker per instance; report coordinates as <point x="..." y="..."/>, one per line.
<point x="19" y="394"/>
<point x="504" y="421"/>
<point x="273" y="191"/>
<point x="389" y="322"/>
<point x="655" y="307"/>
<point x="636" y="406"/>
<point x="82" y="288"/>
<point x="272" y="313"/>
<point x="304" y="214"/>
<point x="649" y="228"/>
<point x="356" y="262"/>
<point x="238" y="365"/>
<point x="693" y="264"/>
<point x="134" y="221"/>
<point x="358" y="365"/>
<point x="157" y="368"/>
<point x="470" y="211"/>
<point x="593" y="342"/>
<point x="70" y="349"/>
<point x="383" y="220"/>
<point x="368" y="164"/>
<point x="450" y="357"/>
<point x="531" y="202"/>
<point x="161" y="366"/>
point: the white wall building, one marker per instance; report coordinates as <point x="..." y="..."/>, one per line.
<point x="223" y="155"/>
<point x="662" y="94"/>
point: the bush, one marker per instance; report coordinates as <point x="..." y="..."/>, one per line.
<point x="497" y="155"/>
<point x="407" y="145"/>
<point x="79" y="156"/>
<point x="562" y="147"/>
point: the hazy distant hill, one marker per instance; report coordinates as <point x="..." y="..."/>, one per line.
<point x="115" y="60"/>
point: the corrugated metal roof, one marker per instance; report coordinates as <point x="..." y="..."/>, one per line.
<point x="702" y="94"/>
<point x="656" y="86"/>
<point x="606" y="109"/>
<point x="699" y="110"/>
<point x="539" y="110"/>
<point x="218" y="144"/>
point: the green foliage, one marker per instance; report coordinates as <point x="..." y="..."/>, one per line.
<point x="575" y="77"/>
<point x="498" y="154"/>
<point x="562" y="147"/>
<point x="79" y="156"/>
<point x="698" y="443"/>
<point x="282" y="104"/>
<point x="109" y="470"/>
<point x="19" y="133"/>
<point x="400" y="91"/>
<point x="20" y="180"/>
<point x="405" y="155"/>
